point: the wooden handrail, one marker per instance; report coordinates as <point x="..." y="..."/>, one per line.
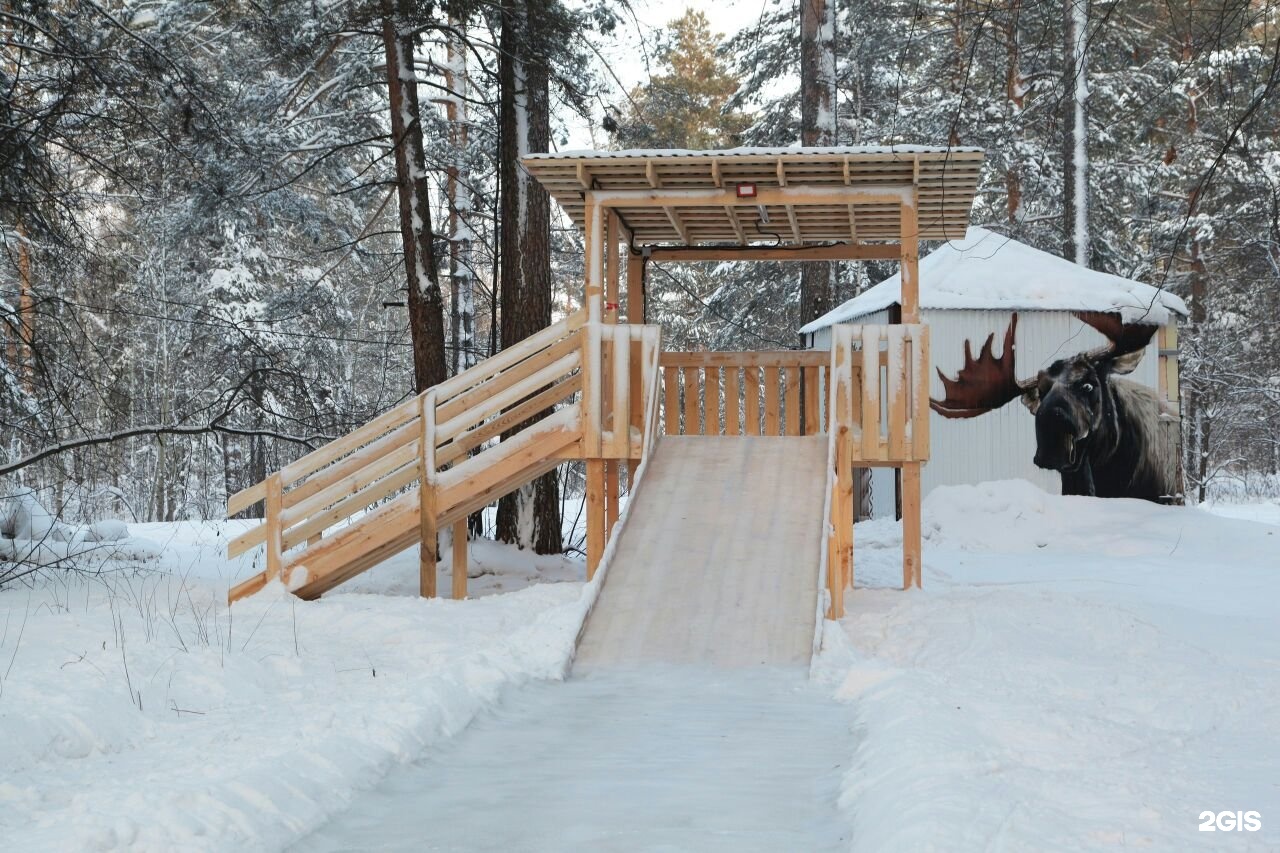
<point x="437" y="441"/>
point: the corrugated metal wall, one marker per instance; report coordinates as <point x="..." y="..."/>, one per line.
<point x="998" y="445"/>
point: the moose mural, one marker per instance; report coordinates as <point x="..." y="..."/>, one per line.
<point x="1100" y="432"/>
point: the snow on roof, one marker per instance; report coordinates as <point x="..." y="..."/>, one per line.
<point x="991" y="271"/>
<point x="836" y="151"/>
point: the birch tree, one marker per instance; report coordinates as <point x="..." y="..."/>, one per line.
<point x="1075" y="137"/>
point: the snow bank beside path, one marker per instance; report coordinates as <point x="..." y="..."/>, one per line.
<point x="139" y="714"/>
<point x="1076" y="674"/>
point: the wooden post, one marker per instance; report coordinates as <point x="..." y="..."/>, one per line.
<point x="460" y="559"/>
<point x="839" y="555"/>
<point x="427" y="544"/>
<point x="910" y="262"/>
<point x="595" y="515"/>
<point x="612" y="494"/>
<point x="593" y="223"/>
<point x="911" y="525"/>
<point x="911" y="573"/>
<point x="274" y="501"/>
<point x="635" y="315"/>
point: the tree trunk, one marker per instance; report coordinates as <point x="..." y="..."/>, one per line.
<point x="1015" y="94"/>
<point x="817" y="128"/>
<point x="426" y="304"/>
<point x="461" y="281"/>
<point x="1075" y="137"/>
<point x="529" y="517"/>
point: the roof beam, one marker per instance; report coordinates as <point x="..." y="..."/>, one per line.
<point x="835" y="252"/>
<point x="791" y="211"/>
<point x="799" y="196"/>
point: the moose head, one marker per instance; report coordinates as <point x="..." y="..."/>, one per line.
<point x="1083" y="420"/>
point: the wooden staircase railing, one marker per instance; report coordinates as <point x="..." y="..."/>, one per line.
<point x="369" y="480"/>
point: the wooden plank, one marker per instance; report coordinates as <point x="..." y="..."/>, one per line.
<point x="274" y="528"/>
<point x="621" y="393"/>
<point x="800" y="195"/>
<point x="510" y="356"/>
<point x="911" y="571"/>
<point x="464" y="443"/>
<point x="613" y="274"/>
<point x="460" y="533"/>
<point x="689" y="398"/>
<point x="897" y="389"/>
<point x="251" y="538"/>
<point x="481" y="464"/>
<point x="772" y="402"/>
<point x="671" y="399"/>
<point x="871" y="445"/>
<point x="910" y="232"/>
<point x="514" y="375"/>
<point x="387" y="421"/>
<point x="751" y="386"/>
<point x="775" y="358"/>
<point x="591" y="402"/>
<point x="593" y="219"/>
<point x="399" y="437"/>
<point x="509" y="396"/>
<point x="505" y="468"/>
<point x="595" y="515"/>
<point x="792" y="375"/>
<point x="612" y="495"/>
<point x="711" y="401"/>
<point x="838" y="252"/>
<point x="428" y="493"/>
<point x="812" y="400"/>
<point x="732" y="418"/>
<point x="349" y="485"/>
<point x="920" y="388"/>
<point x="246" y="587"/>
<point x="246" y="498"/>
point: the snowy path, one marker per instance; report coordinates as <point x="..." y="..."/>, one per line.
<point x="651" y="759"/>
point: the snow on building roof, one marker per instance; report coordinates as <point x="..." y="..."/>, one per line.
<point x="993" y="272"/>
<point x="943" y="178"/>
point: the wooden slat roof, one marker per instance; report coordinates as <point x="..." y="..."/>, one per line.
<point x="947" y="179"/>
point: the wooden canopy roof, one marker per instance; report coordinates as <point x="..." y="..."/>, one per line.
<point x="804" y="195"/>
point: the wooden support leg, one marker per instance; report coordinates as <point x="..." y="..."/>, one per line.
<point x="595" y="515"/>
<point x="428" y="545"/>
<point x="274" y="505"/>
<point x="612" y="492"/>
<point x="911" y="525"/>
<point x="460" y="559"/>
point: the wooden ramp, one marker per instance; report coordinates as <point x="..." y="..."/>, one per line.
<point x="718" y="559"/>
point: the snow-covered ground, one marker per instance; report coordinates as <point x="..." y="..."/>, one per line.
<point x="1076" y="674"/>
<point x="138" y="713"/>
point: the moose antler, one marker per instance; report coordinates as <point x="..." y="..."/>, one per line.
<point x="1124" y="337"/>
<point x="984" y="383"/>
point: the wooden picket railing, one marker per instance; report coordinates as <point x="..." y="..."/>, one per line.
<point x="887" y="407"/>
<point x="367" y="483"/>
<point x="878" y="405"/>
<point x="744" y="393"/>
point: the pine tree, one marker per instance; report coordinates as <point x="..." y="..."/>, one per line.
<point x="685" y="106"/>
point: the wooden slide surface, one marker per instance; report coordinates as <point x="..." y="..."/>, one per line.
<point x="717" y="561"/>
